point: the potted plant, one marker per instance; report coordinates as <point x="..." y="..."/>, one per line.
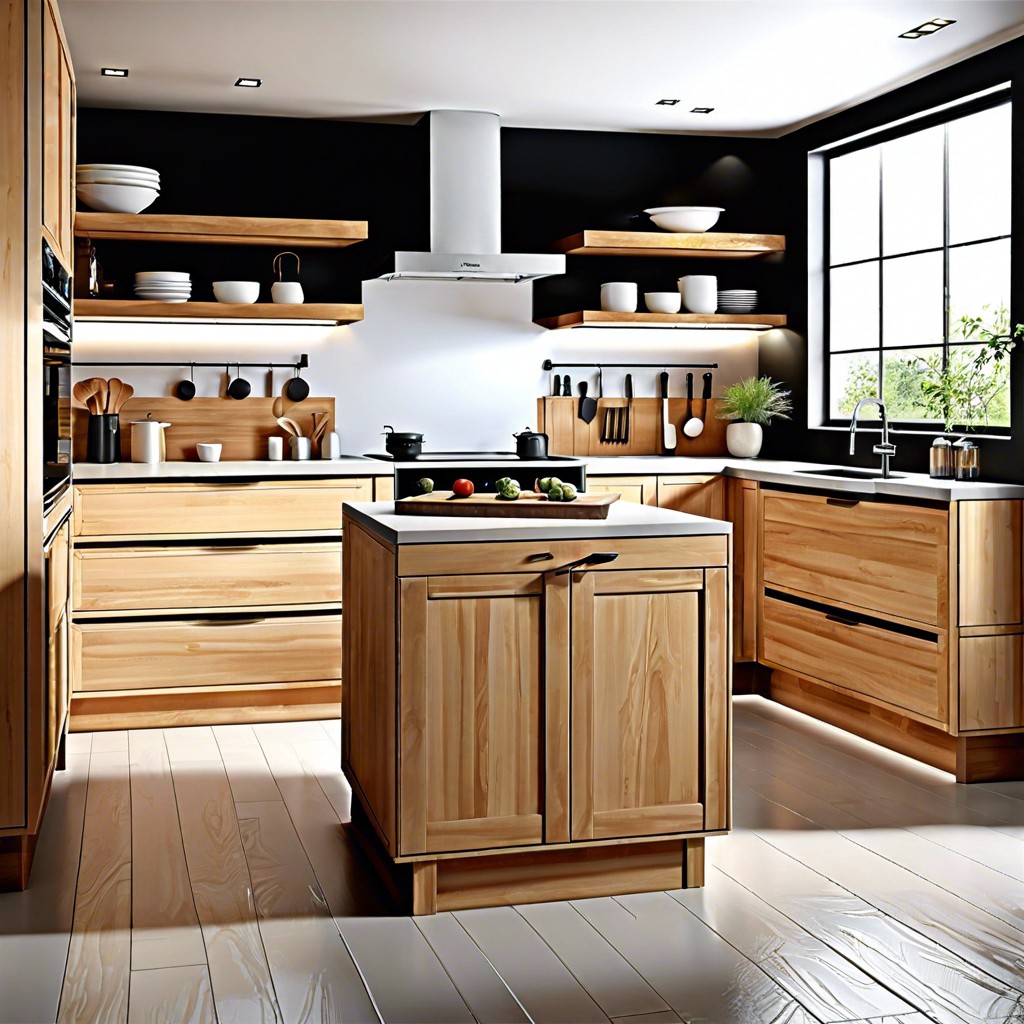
<point x="753" y="403"/>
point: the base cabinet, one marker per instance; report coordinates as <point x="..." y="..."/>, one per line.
<point x="535" y="711"/>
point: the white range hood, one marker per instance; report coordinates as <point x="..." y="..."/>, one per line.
<point x="465" y="208"/>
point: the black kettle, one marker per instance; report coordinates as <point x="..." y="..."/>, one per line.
<point x="531" y="445"/>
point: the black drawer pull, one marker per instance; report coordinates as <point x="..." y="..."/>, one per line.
<point x="595" y="558"/>
<point x="842" y="502"/>
<point x="541" y="556"/>
<point x="842" y="620"/>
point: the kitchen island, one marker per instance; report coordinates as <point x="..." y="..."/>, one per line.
<point x="536" y="709"/>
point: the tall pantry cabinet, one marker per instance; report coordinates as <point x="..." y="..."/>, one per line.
<point x="37" y="105"/>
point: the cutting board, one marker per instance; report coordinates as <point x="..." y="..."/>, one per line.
<point x="529" y="505"/>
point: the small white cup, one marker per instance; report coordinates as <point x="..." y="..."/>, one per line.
<point x="209" y="452"/>
<point x="662" y="302"/>
<point x="699" y="292"/>
<point x="275" y="448"/>
<point x="286" y="291"/>
<point x="301" y="447"/>
<point x="619" y="297"/>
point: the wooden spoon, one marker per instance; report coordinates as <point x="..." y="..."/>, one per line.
<point x="114" y="386"/>
<point x="126" y="392"/>
<point x="102" y="392"/>
<point x="290" y="426"/>
<point x="85" y="389"/>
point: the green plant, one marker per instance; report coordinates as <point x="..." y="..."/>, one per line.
<point x="755" y="400"/>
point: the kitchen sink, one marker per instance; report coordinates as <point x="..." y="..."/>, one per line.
<point x="851" y="474"/>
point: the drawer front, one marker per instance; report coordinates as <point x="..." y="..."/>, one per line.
<point x="140" y="579"/>
<point x="904" y="671"/>
<point x="517" y="556"/>
<point x="991" y="682"/>
<point x="882" y="558"/>
<point x="641" y="490"/>
<point x="126" y="510"/>
<point x="148" y="655"/>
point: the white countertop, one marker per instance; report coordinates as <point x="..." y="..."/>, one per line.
<point x="793" y="474"/>
<point x="625" y="519"/>
<point x="264" y="469"/>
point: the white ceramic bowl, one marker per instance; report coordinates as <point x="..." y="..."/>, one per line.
<point x="117" y="178"/>
<point x="663" y="302"/>
<point x="236" y="291"/>
<point x="685" y="218"/>
<point x="116" y="167"/>
<point x="117" y="198"/>
<point x="209" y="452"/>
<point x="162" y="275"/>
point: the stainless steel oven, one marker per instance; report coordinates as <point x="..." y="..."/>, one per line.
<point x="56" y="379"/>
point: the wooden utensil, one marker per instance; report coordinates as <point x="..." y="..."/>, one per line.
<point x="126" y="392"/>
<point x="114" y="386"/>
<point x="102" y="393"/>
<point x="290" y="426"/>
<point x="84" y="390"/>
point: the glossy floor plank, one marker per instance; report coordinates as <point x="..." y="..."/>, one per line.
<point x="179" y="994"/>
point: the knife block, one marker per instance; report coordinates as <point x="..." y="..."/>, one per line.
<point x="569" y="435"/>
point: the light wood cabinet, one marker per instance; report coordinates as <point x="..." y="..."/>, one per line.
<point x="535" y="711"/>
<point x="643" y="490"/>
<point x="58" y="96"/>
<point x="698" y="495"/>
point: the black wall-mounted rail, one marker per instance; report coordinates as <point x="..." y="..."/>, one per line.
<point x="549" y="365"/>
<point x="302" y="363"/>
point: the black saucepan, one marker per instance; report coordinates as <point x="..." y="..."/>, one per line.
<point x="402" y="444"/>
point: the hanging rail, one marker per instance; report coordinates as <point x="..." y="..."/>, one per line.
<point x="302" y="363"/>
<point x="549" y="365"/>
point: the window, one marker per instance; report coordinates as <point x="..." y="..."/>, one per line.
<point x="917" y="237"/>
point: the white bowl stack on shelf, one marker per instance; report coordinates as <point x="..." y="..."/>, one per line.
<point x="117" y="188"/>
<point x="737" y="300"/>
<point x="163" y="286"/>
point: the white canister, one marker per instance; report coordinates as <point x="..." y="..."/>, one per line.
<point x="301" y="448"/>
<point x="619" y="297"/>
<point x="149" y="443"/>
<point x="699" y="292"/>
<point x="330" y="446"/>
<point x="275" y="448"/>
<point x="286" y="291"/>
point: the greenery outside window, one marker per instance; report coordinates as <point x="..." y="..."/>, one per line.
<point x="917" y="267"/>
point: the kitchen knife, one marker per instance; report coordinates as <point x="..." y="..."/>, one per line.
<point x="629" y="407"/>
<point x="558" y="384"/>
<point x="567" y="387"/>
<point x="587" y="409"/>
<point x="668" y="431"/>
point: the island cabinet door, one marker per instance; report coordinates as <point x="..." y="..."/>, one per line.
<point x="471" y="692"/>
<point x="650" y="715"/>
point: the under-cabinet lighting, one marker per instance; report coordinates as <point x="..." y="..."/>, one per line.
<point x="702" y="110"/>
<point x="249" y="83"/>
<point x="114" y="72"/>
<point x="666" y="103"/>
<point x="928" y="28"/>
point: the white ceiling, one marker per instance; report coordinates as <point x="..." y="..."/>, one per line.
<point x="766" y="66"/>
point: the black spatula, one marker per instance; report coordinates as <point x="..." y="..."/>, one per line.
<point x="588" y="406"/>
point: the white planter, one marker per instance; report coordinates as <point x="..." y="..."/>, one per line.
<point x="744" y="439"/>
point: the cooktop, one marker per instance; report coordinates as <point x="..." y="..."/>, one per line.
<point x="466" y="457"/>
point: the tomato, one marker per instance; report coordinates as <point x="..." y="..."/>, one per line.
<point x="463" y="488"/>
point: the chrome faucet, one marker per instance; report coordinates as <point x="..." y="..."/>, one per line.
<point x="885" y="447"/>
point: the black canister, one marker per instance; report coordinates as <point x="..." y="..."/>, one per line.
<point x="104" y="444"/>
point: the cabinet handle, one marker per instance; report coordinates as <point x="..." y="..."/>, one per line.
<point x="594" y="558"/>
<point x="229" y="622"/>
<point x="842" y="620"/>
<point x="842" y="502"/>
<point x="540" y="556"/>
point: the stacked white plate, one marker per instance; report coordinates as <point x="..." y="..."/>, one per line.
<point x="117" y="188"/>
<point x="737" y="300"/>
<point x="163" y="286"/>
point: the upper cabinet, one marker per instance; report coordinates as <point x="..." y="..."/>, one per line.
<point x="58" y="140"/>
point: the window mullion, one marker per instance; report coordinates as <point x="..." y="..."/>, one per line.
<point x="881" y="278"/>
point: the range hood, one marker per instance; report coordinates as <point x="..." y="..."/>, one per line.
<point x="465" y="208"/>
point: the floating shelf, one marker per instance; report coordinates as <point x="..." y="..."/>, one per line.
<point x="171" y="227"/>
<point x="271" y="312"/>
<point x="706" y="245"/>
<point x="600" y="318"/>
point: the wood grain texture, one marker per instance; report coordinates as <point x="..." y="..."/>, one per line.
<point x="181" y="994"/>
<point x="131" y="309"/>
<point x="557" y="694"/>
<point x="594" y="317"/>
<point x="442" y="503"/>
<point x="878" y="557"/>
<point x="96" y="977"/>
<point x="706" y="244"/>
<point x="989" y="758"/>
<point x="641" y="490"/>
<point x="991" y="682"/>
<point x="413" y="713"/>
<point x="741" y="511"/>
<point x="698" y="495"/>
<point x="990" y="535"/>
<point x="717" y="733"/>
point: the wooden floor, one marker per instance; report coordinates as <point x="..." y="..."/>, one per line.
<point x="202" y="874"/>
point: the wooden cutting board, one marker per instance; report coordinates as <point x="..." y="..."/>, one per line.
<point x="529" y="505"/>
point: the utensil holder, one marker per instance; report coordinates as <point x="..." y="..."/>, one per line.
<point x="104" y="438"/>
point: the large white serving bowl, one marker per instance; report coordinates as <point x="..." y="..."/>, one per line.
<point x="117" y="198"/>
<point x="116" y="167"/>
<point x="685" y="218"/>
<point x="236" y="291"/>
<point x="103" y="178"/>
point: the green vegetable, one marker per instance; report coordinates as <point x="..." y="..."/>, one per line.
<point x="426" y="485"/>
<point x="555" y="492"/>
<point x="544" y="484"/>
<point x="507" y="488"/>
<point x="568" y="492"/>
<point x="555" y="482"/>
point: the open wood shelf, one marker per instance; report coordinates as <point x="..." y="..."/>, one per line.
<point x="140" y="309"/>
<point x="706" y="244"/>
<point x="600" y="318"/>
<point x="171" y="227"/>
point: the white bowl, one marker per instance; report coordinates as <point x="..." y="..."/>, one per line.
<point x="162" y="298"/>
<point x="162" y="275"/>
<point x="147" y="293"/>
<point x="116" y="167"/>
<point x="117" y="178"/>
<point x="685" y="218"/>
<point x="209" y="452"/>
<point x="663" y="302"/>
<point x="236" y="291"/>
<point x="117" y="198"/>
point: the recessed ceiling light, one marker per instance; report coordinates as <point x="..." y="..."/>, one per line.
<point x="114" y="72"/>
<point x="928" y="28"/>
<point x="702" y="110"/>
<point x="249" y="83"/>
<point x="666" y="103"/>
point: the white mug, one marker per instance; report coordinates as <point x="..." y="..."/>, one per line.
<point x="286" y="291"/>
<point x="301" y="447"/>
<point x="275" y="448"/>
<point x="619" y="297"/>
<point x="699" y="292"/>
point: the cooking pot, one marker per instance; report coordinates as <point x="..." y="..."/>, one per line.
<point x="531" y="445"/>
<point x="149" y="443"/>
<point x="403" y="445"/>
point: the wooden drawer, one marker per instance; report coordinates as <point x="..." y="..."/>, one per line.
<point x="992" y="682"/>
<point x="879" y="557"/>
<point x="148" y="655"/>
<point x="901" y="670"/>
<point x="641" y="490"/>
<point x="698" y="495"/>
<point x="518" y="556"/>
<point x="229" y="509"/>
<point x="208" y="578"/>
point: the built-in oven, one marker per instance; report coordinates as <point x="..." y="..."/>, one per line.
<point x="56" y="379"/>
